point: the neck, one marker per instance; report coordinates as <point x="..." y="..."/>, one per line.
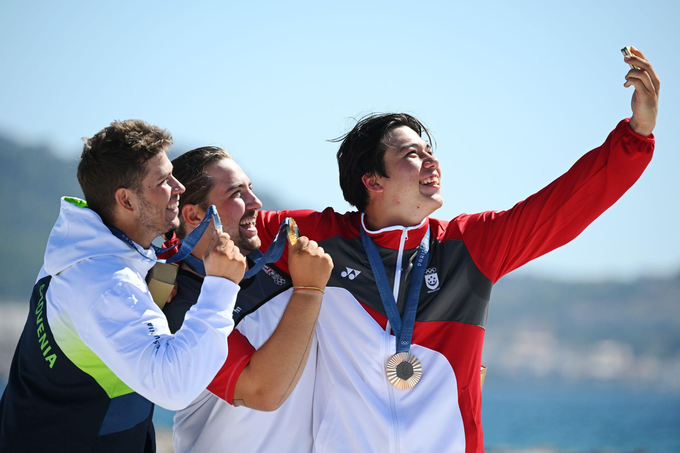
<point x="377" y="220"/>
<point x="133" y="232"/>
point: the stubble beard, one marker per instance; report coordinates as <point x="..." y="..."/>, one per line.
<point x="245" y="245"/>
<point x="153" y="221"/>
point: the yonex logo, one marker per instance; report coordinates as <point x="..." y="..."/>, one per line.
<point x="350" y="273"/>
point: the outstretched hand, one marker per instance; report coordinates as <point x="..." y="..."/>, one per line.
<point x="645" y="101"/>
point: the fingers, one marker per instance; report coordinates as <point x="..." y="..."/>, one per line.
<point x="641" y="80"/>
<point x="309" y="264"/>
<point x="214" y="236"/>
<point x="220" y="241"/>
<point x="638" y="59"/>
<point x="300" y="244"/>
<point x="313" y="248"/>
<point x="304" y="244"/>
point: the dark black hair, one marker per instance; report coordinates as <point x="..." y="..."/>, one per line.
<point x="189" y="169"/>
<point x="363" y="150"/>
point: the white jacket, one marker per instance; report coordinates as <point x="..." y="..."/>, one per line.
<point x="98" y="302"/>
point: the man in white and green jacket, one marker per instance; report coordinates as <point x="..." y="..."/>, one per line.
<point x="96" y="352"/>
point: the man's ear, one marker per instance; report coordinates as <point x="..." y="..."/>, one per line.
<point x="372" y="182"/>
<point x="124" y="199"/>
<point x="192" y="215"/>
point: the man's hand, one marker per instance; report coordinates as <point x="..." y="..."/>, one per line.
<point x="645" y="102"/>
<point x="223" y="258"/>
<point x="309" y="265"/>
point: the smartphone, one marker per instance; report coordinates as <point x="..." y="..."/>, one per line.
<point x="627" y="53"/>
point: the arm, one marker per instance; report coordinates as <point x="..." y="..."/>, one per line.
<point x="500" y="242"/>
<point x="275" y="368"/>
<point x="130" y="335"/>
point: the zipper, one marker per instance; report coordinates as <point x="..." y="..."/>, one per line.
<point x="391" y="344"/>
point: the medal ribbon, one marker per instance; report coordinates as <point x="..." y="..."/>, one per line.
<point x="403" y="329"/>
<point x="189" y="242"/>
<point x="272" y="255"/>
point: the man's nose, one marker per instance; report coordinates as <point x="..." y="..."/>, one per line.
<point x="431" y="162"/>
<point x="177" y="186"/>
<point x="253" y="203"/>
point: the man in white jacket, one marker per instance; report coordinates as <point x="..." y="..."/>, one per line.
<point x="96" y="352"/>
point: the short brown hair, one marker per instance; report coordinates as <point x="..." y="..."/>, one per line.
<point x="189" y="169"/>
<point x="115" y="157"/>
<point x="363" y="152"/>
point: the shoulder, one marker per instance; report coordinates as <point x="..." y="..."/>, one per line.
<point x="459" y="226"/>
<point x="317" y="225"/>
<point x="100" y="275"/>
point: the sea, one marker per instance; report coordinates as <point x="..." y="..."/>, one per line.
<point x="554" y="417"/>
<point x="546" y="416"/>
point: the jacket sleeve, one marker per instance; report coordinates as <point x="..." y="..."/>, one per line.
<point x="128" y="332"/>
<point x="500" y="242"/>
<point x="240" y="352"/>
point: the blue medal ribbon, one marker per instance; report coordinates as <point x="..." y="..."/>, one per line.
<point x="403" y="328"/>
<point x="272" y="255"/>
<point x="188" y="242"/>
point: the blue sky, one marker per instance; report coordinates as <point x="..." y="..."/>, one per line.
<point x="514" y="92"/>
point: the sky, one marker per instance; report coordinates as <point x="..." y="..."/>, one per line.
<point x="513" y="92"/>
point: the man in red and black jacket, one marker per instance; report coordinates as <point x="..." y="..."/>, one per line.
<point x="367" y="395"/>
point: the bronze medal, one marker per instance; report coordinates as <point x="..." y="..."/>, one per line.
<point x="404" y="370"/>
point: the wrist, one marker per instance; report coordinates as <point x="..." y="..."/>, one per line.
<point x="640" y="129"/>
<point x="316" y="289"/>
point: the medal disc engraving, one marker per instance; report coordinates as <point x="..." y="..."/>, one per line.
<point x="404" y="370"/>
<point x="293" y="231"/>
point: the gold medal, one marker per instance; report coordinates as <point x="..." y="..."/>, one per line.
<point x="404" y="370"/>
<point x="293" y="231"/>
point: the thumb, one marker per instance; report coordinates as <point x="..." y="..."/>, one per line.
<point x="300" y="244"/>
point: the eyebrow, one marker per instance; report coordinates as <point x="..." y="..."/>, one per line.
<point x="164" y="176"/>
<point x="408" y="145"/>
<point x="238" y="185"/>
<point x="414" y="145"/>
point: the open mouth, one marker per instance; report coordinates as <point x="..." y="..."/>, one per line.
<point x="432" y="181"/>
<point x="247" y="223"/>
<point x="173" y="206"/>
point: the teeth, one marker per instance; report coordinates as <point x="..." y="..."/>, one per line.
<point x="431" y="180"/>
<point x="248" y="222"/>
<point x="174" y="205"/>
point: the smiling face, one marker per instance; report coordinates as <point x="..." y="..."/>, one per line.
<point x="158" y="198"/>
<point x="236" y="203"/>
<point x="412" y="190"/>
